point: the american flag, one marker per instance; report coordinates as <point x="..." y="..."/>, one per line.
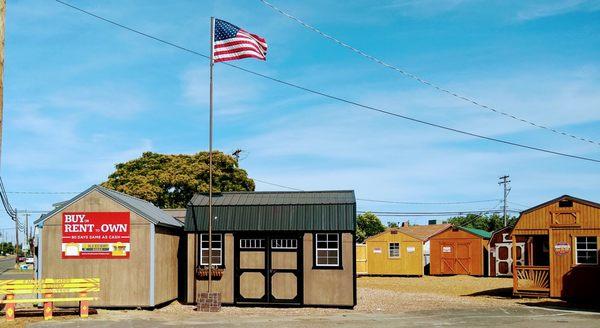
<point x="232" y="42"/>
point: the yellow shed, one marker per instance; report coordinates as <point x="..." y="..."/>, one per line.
<point x="361" y="259"/>
<point x="393" y="252"/>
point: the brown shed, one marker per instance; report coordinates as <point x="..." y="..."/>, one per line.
<point x="561" y="249"/>
<point x="275" y="248"/>
<point x="131" y="245"/>
<point x="459" y="250"/>
<point x="500" y="257"/>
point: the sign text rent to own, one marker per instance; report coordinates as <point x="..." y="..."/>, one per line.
<point x="93" y="235"/>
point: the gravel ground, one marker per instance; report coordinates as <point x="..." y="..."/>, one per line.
<point x="376" y="295"/>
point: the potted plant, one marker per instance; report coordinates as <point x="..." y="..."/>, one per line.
<point x="202" y="272"/>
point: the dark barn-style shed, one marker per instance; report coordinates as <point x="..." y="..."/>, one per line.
<point x="274" y="248"/>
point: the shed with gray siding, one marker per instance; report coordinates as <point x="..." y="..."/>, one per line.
<point x="139" y="272"/>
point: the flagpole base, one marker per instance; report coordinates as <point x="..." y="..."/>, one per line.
<point x="208" y="302"/>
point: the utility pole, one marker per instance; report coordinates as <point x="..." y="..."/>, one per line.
<point x="16" y="236"/>
<point x="504" y="180"/>
<point x="27" y="230"/>
<point x="2" y="24"/>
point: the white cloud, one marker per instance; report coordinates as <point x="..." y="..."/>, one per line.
<point x="425" y="7"/>
<point x="117" y="102"/>
<point x="234" y="94"/>
<point x="553" y="8"/>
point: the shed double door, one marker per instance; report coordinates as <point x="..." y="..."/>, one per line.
<point x="456" y="258"/>
<point x="268" y="270"/>
<point x="504" y="260"/>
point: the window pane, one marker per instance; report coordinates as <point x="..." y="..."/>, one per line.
<point x="321" y="244"/>
<point x="321" y="237"/>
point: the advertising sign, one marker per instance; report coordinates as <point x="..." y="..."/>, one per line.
<point x="447" y="249"/>
<point x="410" y="249"/>
<point x="95" y="235"/>
<point x="377" y="250"/>
<point x="562" y="248"/>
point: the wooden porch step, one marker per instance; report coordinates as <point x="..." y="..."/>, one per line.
<point x="532" y="293"/>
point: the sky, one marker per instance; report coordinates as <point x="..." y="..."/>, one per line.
<point x="82" y="95"/>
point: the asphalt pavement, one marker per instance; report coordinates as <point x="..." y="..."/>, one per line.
<point x="529" y="317"/>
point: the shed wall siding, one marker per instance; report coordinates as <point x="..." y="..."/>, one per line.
<point x="409" y="263"/>
<point x="116" y="275"/>
<point x="166" y="265"/>
<point x="327" y="286"/>
<point x="566" y="278"/>
<point x="191" y="253"/>
<point x="589" y="217"/>
<point x="225" y="284"/>
<point x="476" y="247"/>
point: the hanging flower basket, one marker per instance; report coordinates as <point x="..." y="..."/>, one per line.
<point x="202" y="273"/>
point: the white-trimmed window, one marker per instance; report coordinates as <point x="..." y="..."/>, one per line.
<point x="394" y="250"/>
<point x="327" y="249"/>
<point x="284" y="243"/>
<point x="586" y="251"/>
<point x="252" y="243"/>
<point x="217" y="249"/>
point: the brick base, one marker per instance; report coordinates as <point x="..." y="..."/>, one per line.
<point x="208" y="302"/>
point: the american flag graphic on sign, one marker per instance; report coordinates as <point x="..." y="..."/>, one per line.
<point x="232" y="43"/>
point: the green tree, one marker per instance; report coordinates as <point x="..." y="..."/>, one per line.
<point x="392" y="224"/>
<point x="367" y="225"/>
<point x="7" y="248"/>
<point x="484" y="222"/>
<point x="169" y="181"/>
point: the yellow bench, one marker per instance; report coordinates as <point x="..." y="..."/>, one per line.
<point x="48" y="287"/>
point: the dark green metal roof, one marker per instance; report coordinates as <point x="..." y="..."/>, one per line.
<point x="478" y="232"/>
<point x="274" y="211"/>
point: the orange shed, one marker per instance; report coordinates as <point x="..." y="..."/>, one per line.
<point x="561" y="249"/>
<point x="459" y="250"/>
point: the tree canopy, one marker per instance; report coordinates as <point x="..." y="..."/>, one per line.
<point x="169" y="181"/>
<point x="367" y="225"/>
<point x="484" y="222"/>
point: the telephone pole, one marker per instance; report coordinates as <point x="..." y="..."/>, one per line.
<point x="17" y="236"/>
<point x="2" y="24"/>
<point x="504" y="180"/>
<point x="26" y="230"/>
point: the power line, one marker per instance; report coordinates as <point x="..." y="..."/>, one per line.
<point x="455" y="213"/>
<point x="422" y="80"/>
<point x="42" y="192"/>
<point x="350" y="102"/>
<point x="526" y="206"/>
<point x="277" y="185"/>
<point x="426" y="203"/>
<point x="388" y="201"/>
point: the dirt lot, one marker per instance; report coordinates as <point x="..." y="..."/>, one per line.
<point x="380" y="299"/>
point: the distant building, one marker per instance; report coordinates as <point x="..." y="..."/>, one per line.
<point x="398" y="251"/>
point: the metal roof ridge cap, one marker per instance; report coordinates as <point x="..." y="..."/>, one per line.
<point x="273" y="204"/>
<point x="129" y="206"/>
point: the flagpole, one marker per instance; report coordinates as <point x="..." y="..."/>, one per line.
<point x="210" y="156"/>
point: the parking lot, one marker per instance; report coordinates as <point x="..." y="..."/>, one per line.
<point x="382" y="302"/>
